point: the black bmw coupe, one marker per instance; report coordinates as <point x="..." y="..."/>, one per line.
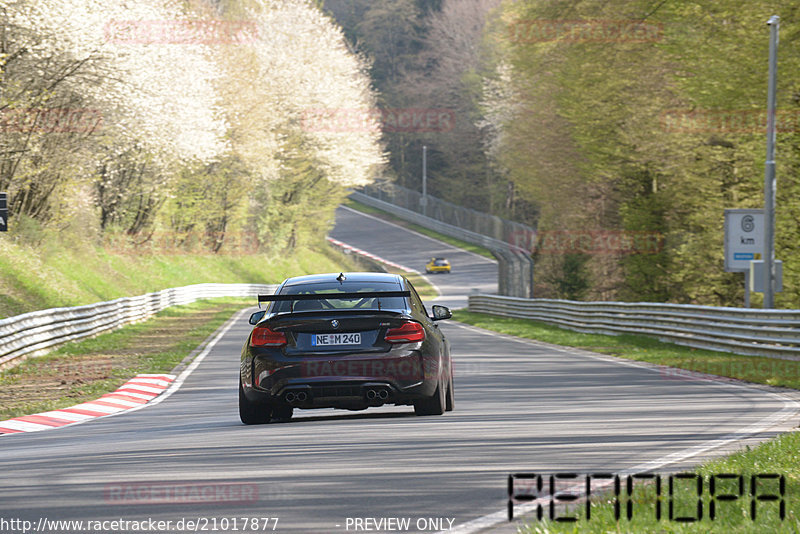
<point x="348" y="341"/>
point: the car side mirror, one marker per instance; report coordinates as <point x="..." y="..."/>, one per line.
<point x="257" y="316"/>
<point x="441" y="312"/>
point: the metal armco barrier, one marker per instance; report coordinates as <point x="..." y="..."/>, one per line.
<point x="514" y="261"/>
<point x="774" y="333"/>
<point x="40" y="330"/>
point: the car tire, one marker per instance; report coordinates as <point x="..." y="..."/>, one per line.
<point x="250" y="412"/>
<point x="435" y="405"/>
<point x="282" y="413"/>
<point x="451" y="395"/>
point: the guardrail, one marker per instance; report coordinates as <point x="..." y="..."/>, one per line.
<point x="515" y="276"/>
<point x="774" y="333"/>
<point x="41" y="330"/>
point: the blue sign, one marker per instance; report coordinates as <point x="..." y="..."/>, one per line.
<point x="743" y="256"/>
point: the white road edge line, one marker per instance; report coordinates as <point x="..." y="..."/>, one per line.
<point x="176" y="384"/>
<point x="453" y="247"/>
<point x="790" y="409"/>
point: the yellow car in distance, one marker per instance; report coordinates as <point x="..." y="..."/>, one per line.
<point x="438" y="265"/>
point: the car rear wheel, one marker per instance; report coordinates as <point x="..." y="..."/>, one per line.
<point x="282" y="413"/>
<point x="433" y="406"/>
<point x="250" y="412"/>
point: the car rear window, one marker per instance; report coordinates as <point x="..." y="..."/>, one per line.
<point x="440" y="263"/>
<point x="332" y="303"/>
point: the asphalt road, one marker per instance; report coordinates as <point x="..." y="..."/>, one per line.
<point x="520" y="406"/>
<point x="470" y="272"/>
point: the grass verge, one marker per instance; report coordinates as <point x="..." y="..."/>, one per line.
<point x="419" y="229"/>
<point x="85" y="370"/>
<point x="731" y="515"/>
<point x="779" y="456"/>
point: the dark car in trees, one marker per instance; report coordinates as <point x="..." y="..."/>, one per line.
<point x="349" y="341"/>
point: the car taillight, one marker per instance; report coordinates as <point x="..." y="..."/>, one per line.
<point x="263" y="336"/>
<point x="408" y="333"/>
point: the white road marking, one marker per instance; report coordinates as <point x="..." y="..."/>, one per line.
<point x="176" y="385"/>
<point x="423" y="236"/>
<point x="790" y="409"/>
<point x="147" y="393"/>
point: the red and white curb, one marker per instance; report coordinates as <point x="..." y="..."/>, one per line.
<point x="134" y="393"/>
<point x="369" y="255"/>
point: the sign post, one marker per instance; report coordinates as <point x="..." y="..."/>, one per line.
<point x="3" y="212"/>
<point x="769" y="168"/>
<point x="744" y="242"/>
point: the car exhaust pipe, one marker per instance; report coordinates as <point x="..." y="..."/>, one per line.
<point x="295" y="398"/>
<point x="379" y="395"/>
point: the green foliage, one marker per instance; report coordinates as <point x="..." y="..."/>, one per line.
<point x="593" y="144"/>
<point x="299" y="208"/>
<point x="209" y="207"/>
<point x="182" y="147"/>
<point x="430" y="55"/>
<point x="389" y="31"/>
<point x="644" y="273"/>
<point x="573" y="282"/>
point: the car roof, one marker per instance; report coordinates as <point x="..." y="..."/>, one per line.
<point x="349" y="277"/>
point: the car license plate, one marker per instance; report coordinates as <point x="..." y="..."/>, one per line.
<point x="326" y="340"/>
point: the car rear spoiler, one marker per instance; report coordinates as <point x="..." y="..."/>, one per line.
<point x="334" y="296"/>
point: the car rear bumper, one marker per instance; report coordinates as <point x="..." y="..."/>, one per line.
<point x="354" y="382"/>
